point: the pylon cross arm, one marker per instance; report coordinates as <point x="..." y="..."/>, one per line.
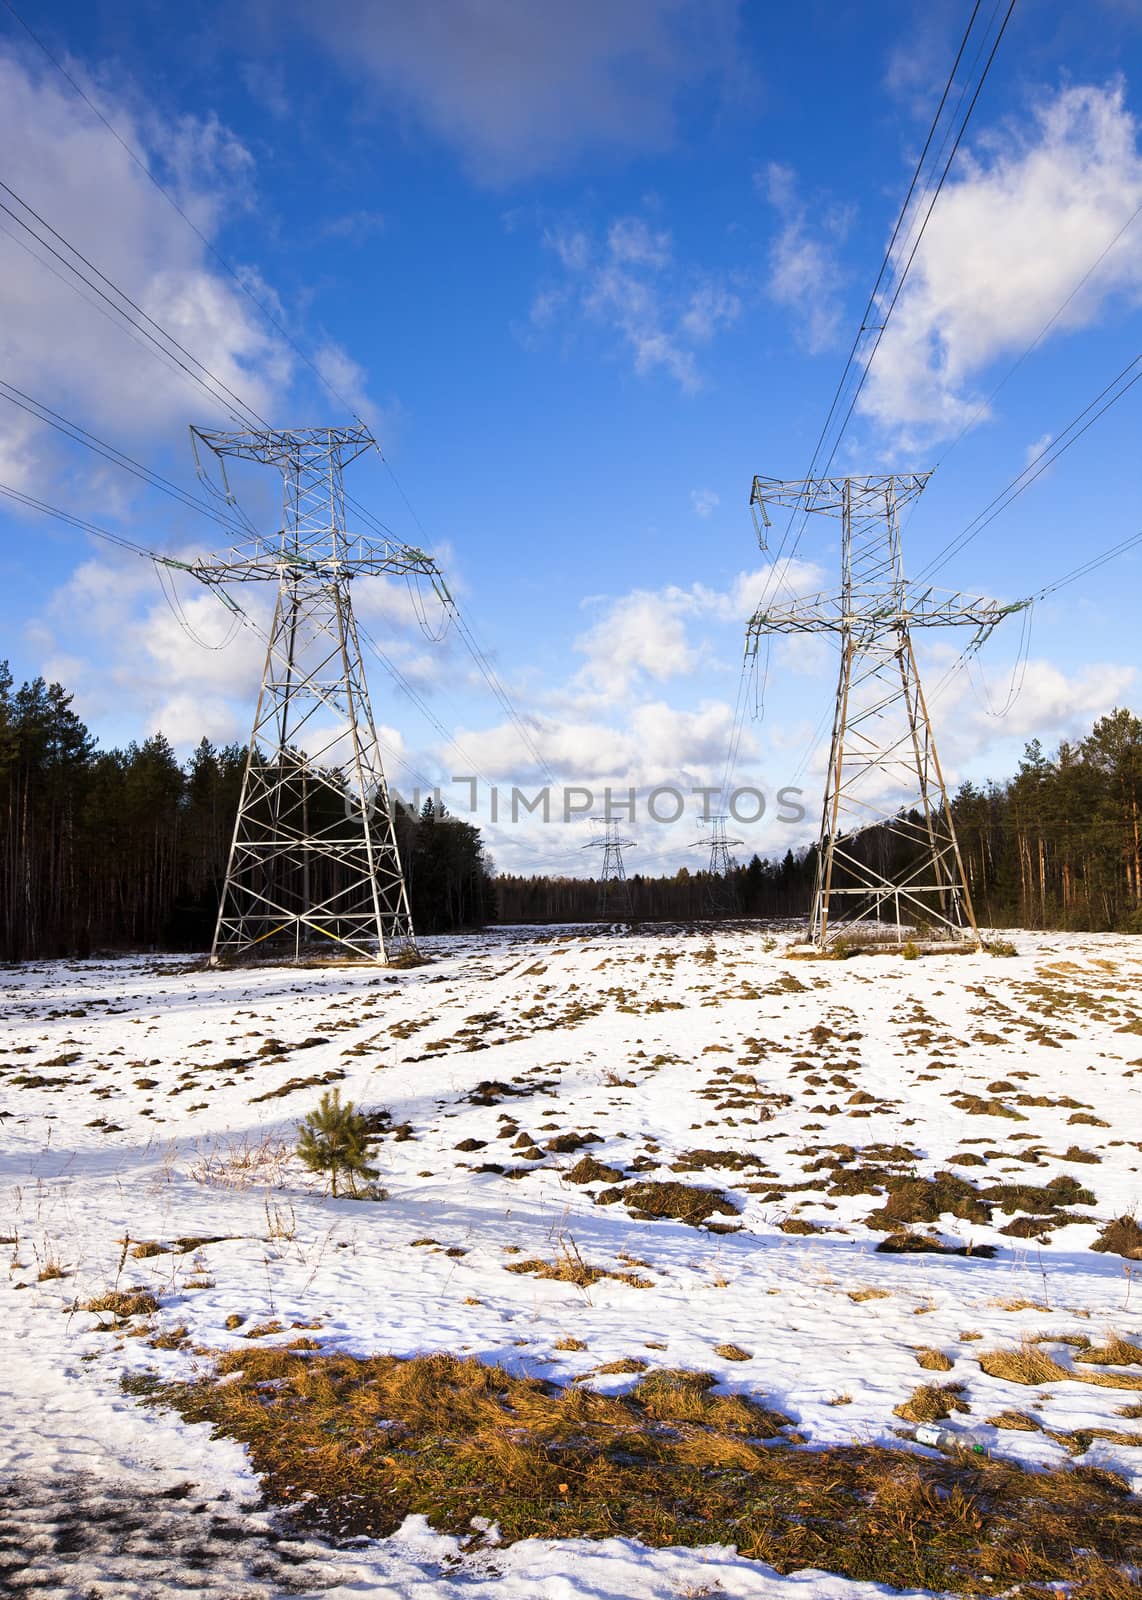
<point x="880" y="613"/>
<point x="373" y="558"/>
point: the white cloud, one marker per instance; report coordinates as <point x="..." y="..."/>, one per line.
<point x="354" y="226"/>
<point x="73" y="351"/>
<point x="518" y="88"/>
<point x="348" y="379"/>
<point x="631" y="284"/>
<point x="643" y="635"/>
<point x="804" y="274"/>
<point x="1049" y="704"/>
<point x="1007" y="242"/>
<point x="705" y="502"/>
<point x="631" y="242"/>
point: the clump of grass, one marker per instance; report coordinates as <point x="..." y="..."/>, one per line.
<point x="569" y="1267"/>
<point x="732" y="1352"/>
<point x="1122" y="1237"/>
<point x="913" y="1200"/>
<point x="588" y="1170"/>
<point x="860" y="1295"/>
<point x="1019" y="1421"/>
<point x="170" y="1340"/>
<point x="1028" y="1365"/>
<point x="1032" y="1366"/>
<point x="671" y="1461"/>
<point x="1115" y="1352"/>
<point x="908" y="1243"/>
<point x="624" y="1364"/>
<point x="975" y="1105"/>
<point x="649" y="1200"/>
<point x="934" y="1360"/>
<point x="124" y="1303"/>
<point x="568" y="1342"/>
<point x="932" y="1402"/>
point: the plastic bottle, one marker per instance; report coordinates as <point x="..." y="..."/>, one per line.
<point x="938" y="1436"/>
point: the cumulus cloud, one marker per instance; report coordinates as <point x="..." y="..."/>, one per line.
<point x="517" y="88"/>
<point x="1009" y="240"/>
<point x="630" y="284"/>
<point x="65" y="347"/>
<point x="804" y="272"/>
<point x="643" y="636"/>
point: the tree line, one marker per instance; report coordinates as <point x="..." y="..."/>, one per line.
<point x="127" y="848"/>
<point x="1059" y="845"/>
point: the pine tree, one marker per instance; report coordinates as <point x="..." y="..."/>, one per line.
<point x="335" y="1139"/>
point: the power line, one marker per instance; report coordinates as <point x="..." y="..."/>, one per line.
<point x="1030" y="349"/>
<point x="426" y="711"/>
<point x="1118" y="386"/>
<point x="93" y="528"/>
<point x="139" y="162"/>
<point x="867" y="325"/>
<point x="778" y="573"/>
<point x="119" y="458"/>
<point x="243" y="414"/>
<point x="220" y="393"/>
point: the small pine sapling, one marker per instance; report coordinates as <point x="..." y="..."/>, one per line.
<point x="336" y="1139"/>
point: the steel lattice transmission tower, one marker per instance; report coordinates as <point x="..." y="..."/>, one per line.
<point x="721" y="897"/>
<point x="613" y="881"/>
<point x="883" y="770"/>
<point x="314" y="857"/>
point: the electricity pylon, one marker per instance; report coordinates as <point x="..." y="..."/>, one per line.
<point x="613" y="882"/>
<point x="721" y="896"/>
<point x="314" y="857"/>
<point x="883" y="770"/>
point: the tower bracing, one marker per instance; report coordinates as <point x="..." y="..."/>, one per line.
<point x="721" y="893"/>
<point x="888" y="860"/>
<point x="614" y="886"/>
<point x="314" y="864"/>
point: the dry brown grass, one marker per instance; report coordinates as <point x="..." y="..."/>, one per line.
<point x="732" y="1352"/>
<point x="686" y="1202"/>
<point x="354" y="1446"/>
<point x="1032" y="1366"/>
<point x="860" y="1295"/>
<point x="932" y="1402"/>
<point x="934" y="1360"/>
<point x="1115" y="1352"/>
<point x="1122" y="1237"/>
<point x="1020" y="1421"/>
<point x="123" y="1303"/>
<point x="569" y="1267"/>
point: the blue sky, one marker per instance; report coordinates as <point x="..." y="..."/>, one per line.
<point x="585" y="270"/>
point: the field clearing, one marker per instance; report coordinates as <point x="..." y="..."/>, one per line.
<point x="536" y="1091"/>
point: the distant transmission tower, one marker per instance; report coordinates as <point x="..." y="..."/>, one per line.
<point x="314" y="858"/>
<point x="883" y="769"/>
<point x="721" y="892"/>
<point x="613" y="883"/>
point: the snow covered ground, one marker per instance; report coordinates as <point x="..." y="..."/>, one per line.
<point x="147" y="1100"/>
